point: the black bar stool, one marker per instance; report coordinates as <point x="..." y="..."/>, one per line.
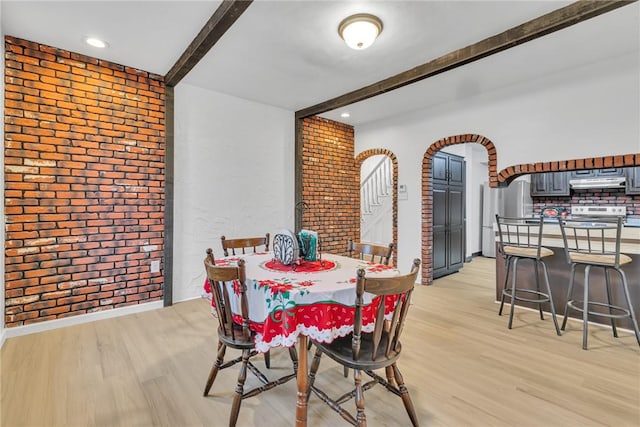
<point x="520" y="239"/>
<point x="595" y="242"/>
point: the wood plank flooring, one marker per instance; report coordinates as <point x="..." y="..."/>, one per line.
<point x="460" y="362"/>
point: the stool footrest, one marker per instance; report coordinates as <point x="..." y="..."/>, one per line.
<point x="543" y="297"/>
<point x="579" y="306"/>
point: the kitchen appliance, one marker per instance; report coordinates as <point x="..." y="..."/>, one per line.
<point x="512" y="201"/>
<point x="598" y="210"/>
<point x="588" y="212"/>
<point x="599" y="182"/>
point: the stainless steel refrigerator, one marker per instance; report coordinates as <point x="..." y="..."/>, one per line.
<point x="512" y="201"/>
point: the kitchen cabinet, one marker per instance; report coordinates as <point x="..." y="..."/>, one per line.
<point x="633" y="180"/>
<point x="448" y="169"/>
<point x="595" y="173"/>
<point x="550" y="184"/>
<point x="448" y="214"/>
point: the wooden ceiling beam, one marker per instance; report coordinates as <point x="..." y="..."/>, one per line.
<point x="530" y="30"/>
<point x="222" y="19"/>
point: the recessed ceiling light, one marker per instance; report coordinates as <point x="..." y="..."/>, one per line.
<point x="92" y="41"/>
<point x="345" y="115"/>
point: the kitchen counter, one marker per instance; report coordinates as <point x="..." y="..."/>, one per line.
<point x="629" y="243"/>
<point x="559" y="272"/>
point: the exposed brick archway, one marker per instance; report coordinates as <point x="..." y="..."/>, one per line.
<point x="508" y="174"/>
<point x="427" y="197"/>
<point x="504" y="177"/>
<point x="360" y="158"/>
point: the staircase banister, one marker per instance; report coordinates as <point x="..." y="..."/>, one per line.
<point x="375" y="169"/>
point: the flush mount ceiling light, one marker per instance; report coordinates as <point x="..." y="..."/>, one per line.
<point x="345" y="115"/>
<point x="360" y="31"/>
<point x="95" y="42"/>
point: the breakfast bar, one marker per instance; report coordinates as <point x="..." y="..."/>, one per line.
<point x="559" y="273"/>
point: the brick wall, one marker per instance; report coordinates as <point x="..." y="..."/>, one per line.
<point x="84" y="179"/>
<point x="330" y="183"/>
<point x="594" y="196"/>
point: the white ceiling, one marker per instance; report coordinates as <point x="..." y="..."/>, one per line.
<point x="288" y="53"/>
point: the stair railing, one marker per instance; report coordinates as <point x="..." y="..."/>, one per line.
<point x="377" y="183"/>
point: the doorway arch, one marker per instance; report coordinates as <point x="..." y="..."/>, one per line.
<point x="360" y="158"/>
<point x="427" y="188"/>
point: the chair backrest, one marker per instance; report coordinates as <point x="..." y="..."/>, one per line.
<point x="521" y="233"/>
<point x="594" y="240"/>
<point x="218" y="276"/>
<point x="375" y="253"/>
<point x="398" y="288"/>
<point x="243" y="243"/>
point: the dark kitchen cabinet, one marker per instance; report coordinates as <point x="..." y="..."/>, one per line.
<point x="448" y="214"/>
<point x="448" y="169"/>
<point x="550" y="184"/>
<point x="632" y="185"/>
<point x="595" y="173"/>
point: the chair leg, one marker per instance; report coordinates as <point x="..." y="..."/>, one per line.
<point x="293" y="354"/>
<point x="608" y="284"/>
<point x="569" y="293"/>
<point x="267" y="359"/>
<point x="389" y="372"/>
<point x="506" y="282"/>
<point x="360" y="416"/>
<point x="585" y="308"/>
<point x="315" y="364"/>
<point x="551" y="305"/>
<point x="216" y="366"/>
<point x="631" y="312"/>
<point x="237" y="399"/>
<point x="404" y="393"/>
<point x="514" y="275"/>
<point x="538" y="286"/>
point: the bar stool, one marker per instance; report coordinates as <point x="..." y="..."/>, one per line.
<point x="595" y="242"/>
<point x="520" y="239"/>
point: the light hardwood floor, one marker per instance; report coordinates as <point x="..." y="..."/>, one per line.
<point x="460" y="362"/>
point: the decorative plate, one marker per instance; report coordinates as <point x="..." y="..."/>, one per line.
<point x="285" y="247"/>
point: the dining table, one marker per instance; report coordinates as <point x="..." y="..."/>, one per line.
<point x="291" y="304"/>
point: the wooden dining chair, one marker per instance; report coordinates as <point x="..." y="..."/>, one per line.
<point x="370" y="351"/>
<point x="370" y="252"/>
<point x="367" y="251"/>
<point x="244" y="243"/>
<point x="237" y="336"/>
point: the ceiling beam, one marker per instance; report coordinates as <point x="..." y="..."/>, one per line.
<point x="530" y="30"/>
<point x="221" y="20"/>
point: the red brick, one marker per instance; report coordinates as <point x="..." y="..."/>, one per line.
<point x="60" y="126"/>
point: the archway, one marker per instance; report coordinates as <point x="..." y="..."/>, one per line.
<point x="504" y="177"/>
<point x="427" y="199"/>
<point x="360" y="158"/>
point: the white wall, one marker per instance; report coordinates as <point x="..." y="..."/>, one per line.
<point x="584" y="112"/>
<point x="234" y="176"/>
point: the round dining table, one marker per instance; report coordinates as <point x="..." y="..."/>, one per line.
<point x="292" y="303"/>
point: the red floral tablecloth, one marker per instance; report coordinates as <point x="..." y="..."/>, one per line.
<point x="318" y="302"/>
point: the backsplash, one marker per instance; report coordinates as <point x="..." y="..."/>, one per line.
<point x="594" y="196"/>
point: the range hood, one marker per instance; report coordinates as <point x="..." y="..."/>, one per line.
<point x="600" y="182"/>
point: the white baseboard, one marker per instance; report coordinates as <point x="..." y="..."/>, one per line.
<point x="77" y="320"/>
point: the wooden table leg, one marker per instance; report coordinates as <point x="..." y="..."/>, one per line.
<point x="301" y="397"/>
